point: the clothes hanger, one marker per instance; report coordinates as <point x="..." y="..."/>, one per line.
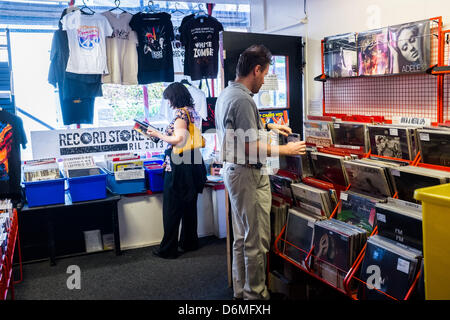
<point x="90" y="12"/>
<point x="151" y="7"/>
<point x="184" y="81"/>
<point x="176" y="9"/>
<point x="117" y="3"/>
<point x="201" y="13"/>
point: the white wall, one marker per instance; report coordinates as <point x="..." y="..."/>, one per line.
<point x="332" y="17"/>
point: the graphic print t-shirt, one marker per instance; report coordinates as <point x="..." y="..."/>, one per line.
<point x="12" y="136"/>
<point x="200" y="36"/>
<point x="121" y="50"/>
<point x="87" y="45"/>
<point x="155" y="55"/>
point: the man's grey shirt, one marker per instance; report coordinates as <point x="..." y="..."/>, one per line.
<point x="236" y="110"/>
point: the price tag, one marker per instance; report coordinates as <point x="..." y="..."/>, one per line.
<point x="403" y="265"/>
<point x="129" y="174"/>
<point x="337" y="125"/>
<point x="381" y="217"/>
<point x="393" y="132"/>
<point x="344" y="196"/>
<point x="424" y="136"/>
<point x="395" y="173"/>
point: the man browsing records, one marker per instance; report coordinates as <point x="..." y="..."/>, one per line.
<point x="244" y="148"/>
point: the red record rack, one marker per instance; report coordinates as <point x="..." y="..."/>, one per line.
<point x="6" y="263"/>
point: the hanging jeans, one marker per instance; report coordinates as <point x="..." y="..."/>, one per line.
<point x="251" y="200"/>
<point x="182" y="184"/>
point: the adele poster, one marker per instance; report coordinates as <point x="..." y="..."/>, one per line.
<point x="409" y="45"/>
<point x="373" y="52"/>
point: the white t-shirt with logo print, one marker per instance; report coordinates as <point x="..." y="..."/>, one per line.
<point x="87" y="42"/>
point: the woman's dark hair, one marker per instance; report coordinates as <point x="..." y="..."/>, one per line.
<point x="251" y="57"/>
<point x="178" y="95"/>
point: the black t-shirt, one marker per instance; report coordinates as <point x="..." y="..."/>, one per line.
<point x="155" y="56"/>
<point x="200" y="36"/>
<point x="12" y="136"/>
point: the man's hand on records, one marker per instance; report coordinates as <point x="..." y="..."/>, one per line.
<point x="295" y="148"/>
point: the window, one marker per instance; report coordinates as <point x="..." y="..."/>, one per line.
<point x="32" y="24"/>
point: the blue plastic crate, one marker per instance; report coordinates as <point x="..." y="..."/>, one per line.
<point x="44" y="193"/>
<point x="155" y="179"/>
<point x="125" y="186"/>
<point x="88" y="187"/>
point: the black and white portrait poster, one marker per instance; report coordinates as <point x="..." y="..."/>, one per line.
<point x="340" y="56"/>
<point x="409" y="46"/>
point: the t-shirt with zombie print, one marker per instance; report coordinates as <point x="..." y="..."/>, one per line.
<point x="12" y="136"/>
<point x="200" y="36"/>
<point x="155" y="55"/>
<point x="87" y="42"/>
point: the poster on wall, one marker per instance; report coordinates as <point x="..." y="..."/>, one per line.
<point x="340" y="56"/>
<point x="410" y="47"/>
<point x="91" y="141"/>
<point x="278" y="117"/>
<point x="373" y="52"/>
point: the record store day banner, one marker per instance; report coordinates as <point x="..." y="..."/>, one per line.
<point x="91" y="141"/>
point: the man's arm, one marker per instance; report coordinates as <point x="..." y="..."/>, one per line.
<point x="290" y="149"/>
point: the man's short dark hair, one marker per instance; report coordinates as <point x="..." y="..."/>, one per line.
<point x="251" y="57"/>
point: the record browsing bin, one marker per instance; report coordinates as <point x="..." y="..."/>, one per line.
<point x="88" y="187"/>
<point x="154" y="175"/>
<point x="435" y="221"/>
<point x="125" y="186"/>
<point x="47" y="192"/>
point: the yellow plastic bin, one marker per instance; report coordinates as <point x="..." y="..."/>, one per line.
<point x="436" y="240"/>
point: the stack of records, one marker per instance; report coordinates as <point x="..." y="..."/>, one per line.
<point x="80" y="167"/>
<point x="299" y="234"/>
<point x="400" y="221"/>
<point x="349" y="135"/>
<point x="387" y="266"/>
<point x="281" y="185"/>
<point x="358" y="209"/>
<point x="306" y="163"/>
<point x="368" y="179"/>
<point x="408" y="179"/>
<point x="40" y="170"/>
<point x="311" y="199"/>
<point x="434" y="146"/>
<point x="392" y="141"/>
<point x="317" y="133"/>
<point x="336" y="247"/>
<point x="329" y="168"/>
<point x="291" y="164"/>
<point x="278" y="214"/>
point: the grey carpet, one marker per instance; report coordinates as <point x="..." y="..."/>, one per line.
<point x="135" y="275"/>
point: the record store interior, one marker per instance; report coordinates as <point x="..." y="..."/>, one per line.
<point x="225" y="150"/>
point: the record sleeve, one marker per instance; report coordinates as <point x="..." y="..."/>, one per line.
<point x="408" y="179"/>
<point x="367" y="178"/>
<point x="281" y="185"/>
<point x="358" y="209"/>
<point x="389" y="267"/>
<point x="317" y="133"/>
<point x="373" y="52"/>
<point x="299" y="235"/>
<point x="434" y="147"/>
<point x="400" y="224"/>
<point x="349" y="134"/>
<point x="312" y="196"/>
<point x="410" y="47"/>
<point x="329" y="168"/>
<point x="390" y="141"/>
<point x="341" y="56"/>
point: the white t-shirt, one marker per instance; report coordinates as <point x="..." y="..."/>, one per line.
<point x="121" y="50"/>
<point x="87" y="46"/>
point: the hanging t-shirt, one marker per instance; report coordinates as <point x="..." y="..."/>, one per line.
<point x="155" y="55"/>
<point x="121" y="50"/>
<point x="12" y="136"/>
<point x="178" y="47"/>
<point x="87" y="43"/>
<point x="200" y="36"/>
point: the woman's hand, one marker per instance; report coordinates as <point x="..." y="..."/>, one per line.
<point x="154" y="133"/>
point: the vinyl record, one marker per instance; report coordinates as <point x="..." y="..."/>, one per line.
<point x="340" y="56"/>
<point x="373" y="52"/>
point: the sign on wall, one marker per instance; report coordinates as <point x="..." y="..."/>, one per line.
<point x="91" y="141"/>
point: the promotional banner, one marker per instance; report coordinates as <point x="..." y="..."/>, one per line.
<point x="277" y="117"/>
<point x="91" y="141"/>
